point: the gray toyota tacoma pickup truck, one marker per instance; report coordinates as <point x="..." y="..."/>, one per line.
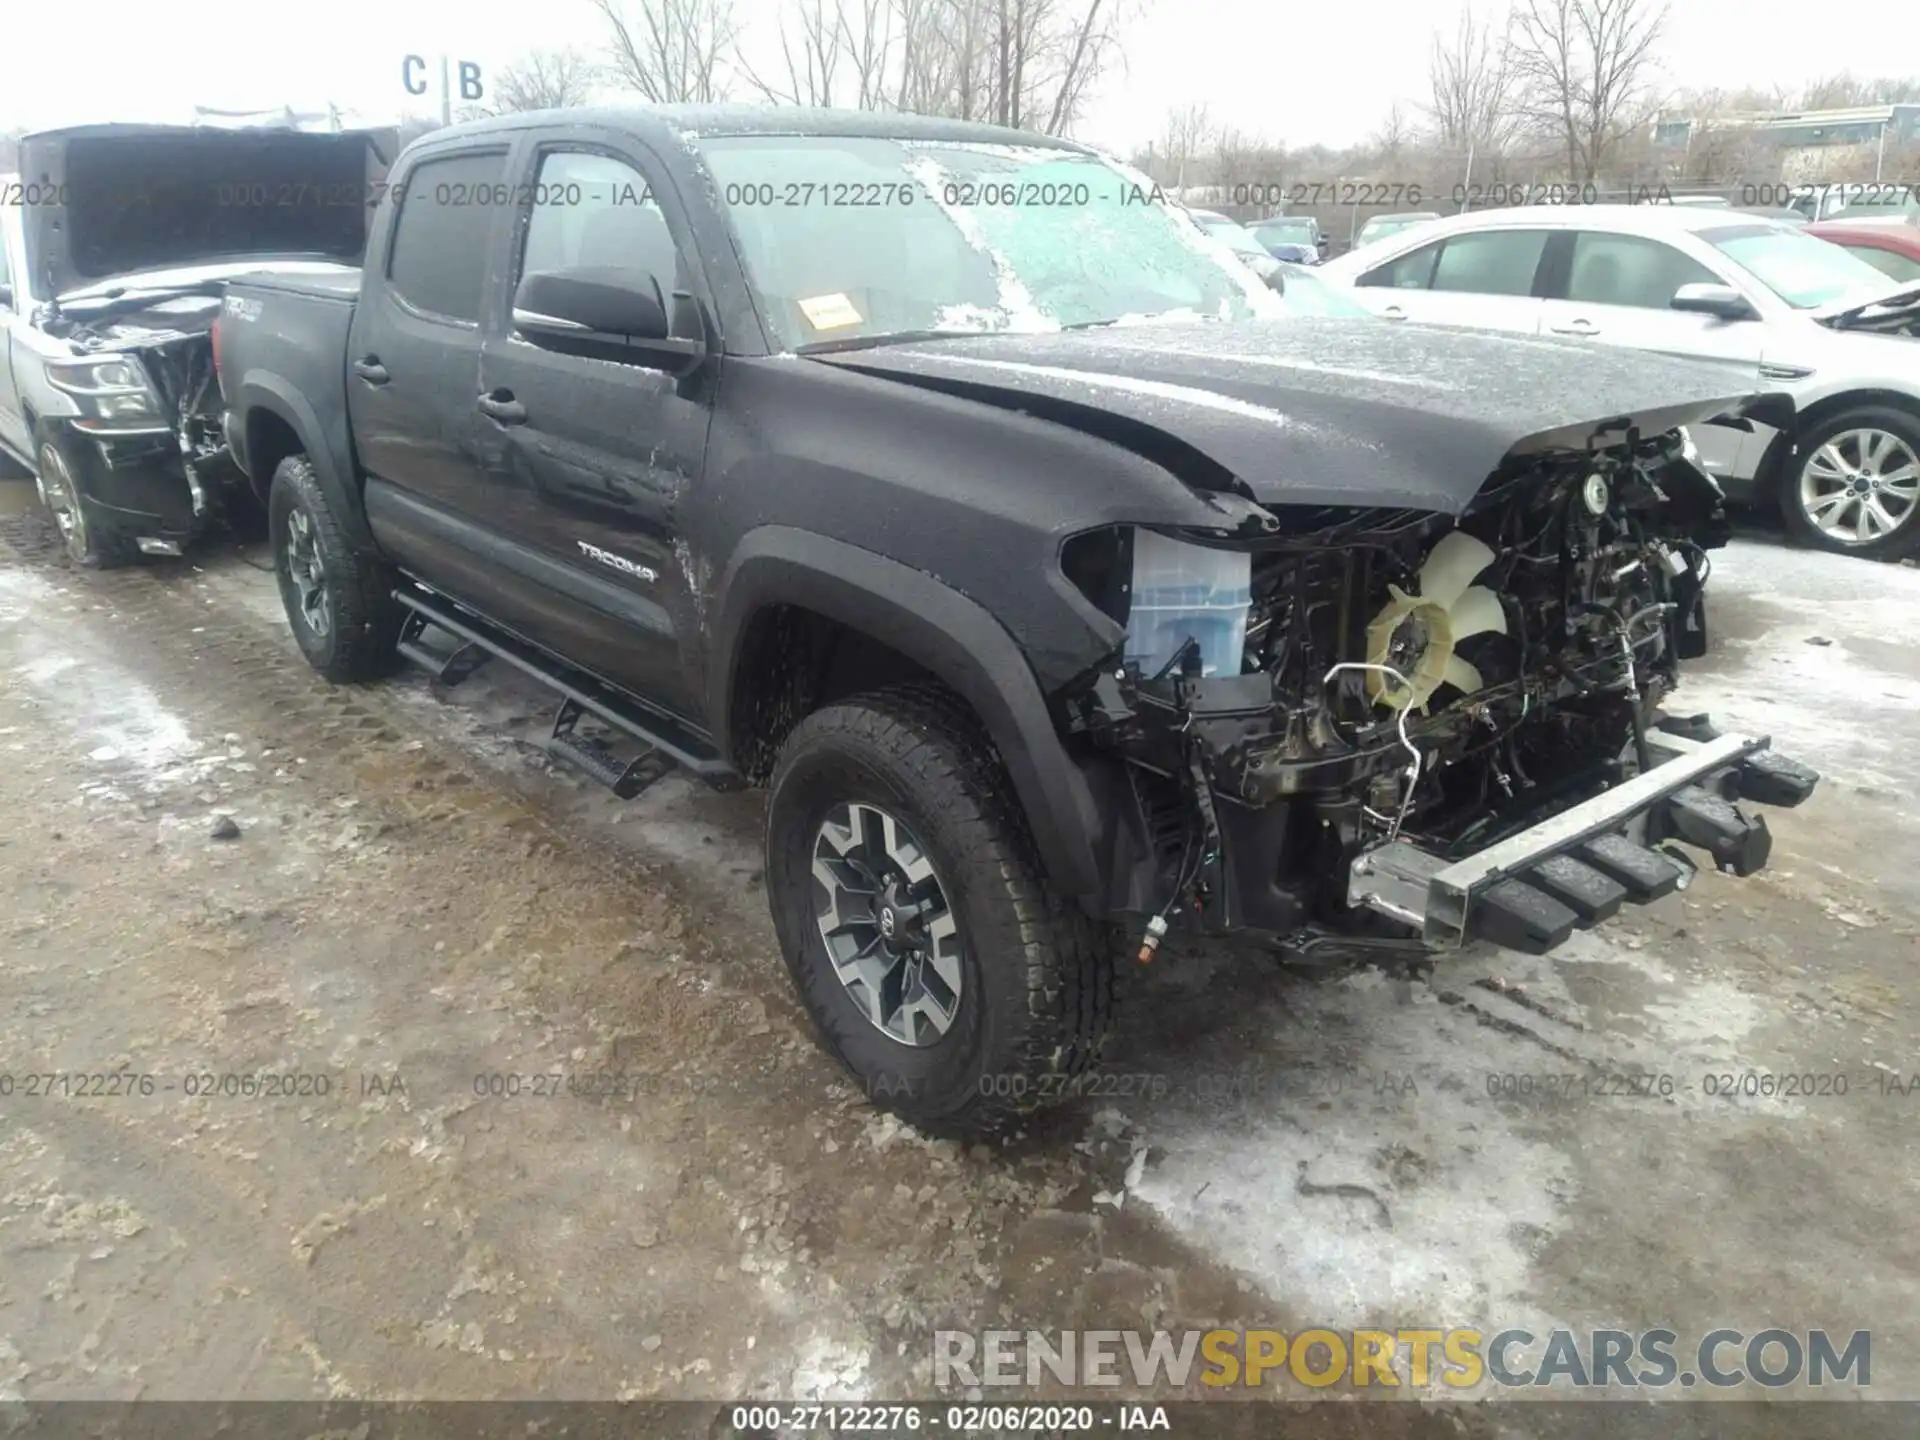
<point x="1062" y="588"/>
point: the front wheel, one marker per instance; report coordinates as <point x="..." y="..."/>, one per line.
<point x="1854" y="486"/>
<point x="84" y="541"/>
<point x="339" y="600"/>
<point x="922" y="940"/>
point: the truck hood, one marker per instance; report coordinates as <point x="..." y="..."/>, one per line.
<point x="133" y="198"/>
<point x="1326" y="411"/>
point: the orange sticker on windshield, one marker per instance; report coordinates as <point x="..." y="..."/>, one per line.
<point x="829" y="312"/>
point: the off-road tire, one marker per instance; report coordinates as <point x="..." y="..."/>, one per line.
<point x="364" y="619"/>
<point x="87" y="544"/>
<point x="1902" y="541"/>
<point x="1037" y="998"/>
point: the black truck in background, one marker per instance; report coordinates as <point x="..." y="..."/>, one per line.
<point x="1064" y="590"/>
<point x="116" y="243"/>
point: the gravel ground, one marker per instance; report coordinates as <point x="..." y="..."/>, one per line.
<point x="415" y="901"/>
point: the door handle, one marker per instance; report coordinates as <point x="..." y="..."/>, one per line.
<point x="1576" y="327"/>
<point x="371" y="370"/>
<point x="1393" y="312"/>
<point x="500" y="405"/>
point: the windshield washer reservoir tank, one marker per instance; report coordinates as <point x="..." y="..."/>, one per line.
<point x="1182" y="590"/>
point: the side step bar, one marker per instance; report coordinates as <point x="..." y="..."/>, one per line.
<point x="1532" y="890"/>
<point x="580" y="695"/>
<point x="626" y="778"/>
<point x="449" y="669"/>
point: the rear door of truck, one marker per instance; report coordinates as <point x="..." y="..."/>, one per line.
<point x="413" y="361"/>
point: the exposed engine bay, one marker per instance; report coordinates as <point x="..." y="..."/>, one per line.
<point x="1407" y="675"/>
<point x="167" y="335"/>
<point x="128" y="235"/>
<point x="144" y="384"/>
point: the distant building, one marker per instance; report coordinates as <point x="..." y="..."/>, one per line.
<point x="1800" y="129"/>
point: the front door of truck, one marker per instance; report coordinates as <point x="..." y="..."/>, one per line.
<point x="413" y="366"/>
<point x="587" y="459"/>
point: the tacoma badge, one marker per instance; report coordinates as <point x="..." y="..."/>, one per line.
<point x="618" y="562"/>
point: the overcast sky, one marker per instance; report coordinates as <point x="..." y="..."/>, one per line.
<point x="1324" y="70"/>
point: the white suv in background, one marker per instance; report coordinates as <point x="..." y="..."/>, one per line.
<point x="1816" y="321"/>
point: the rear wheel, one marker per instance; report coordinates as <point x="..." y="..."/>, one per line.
<point x="339" y="600"/>
<point x="1854" y="486"/>
<point x="936" y="966"/>
<point x="85" y="542"/>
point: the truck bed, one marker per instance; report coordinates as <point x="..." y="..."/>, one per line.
<point x="283" y="344"/>
<point x="340" y="284"/>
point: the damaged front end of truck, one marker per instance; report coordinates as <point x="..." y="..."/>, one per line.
<point x="134" y="406"/>
<point x="128" y="235"/>
<point x="1415" y="727"/>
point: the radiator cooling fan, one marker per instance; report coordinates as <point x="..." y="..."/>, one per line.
<point x="1417" y="635"/>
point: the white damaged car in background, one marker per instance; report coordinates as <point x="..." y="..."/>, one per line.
<point x="1817" y="323"/>
<point x="116" y="243"/>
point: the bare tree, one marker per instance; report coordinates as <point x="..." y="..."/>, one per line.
<point x="1023" y="63"/>
<point x="1236" y="160"/>
<point x="1470" y="88"/>
<point x="866" y="38"/>
<point x="1086" y="47"/>
<point x="1843" y="92"/>
<point x="1028" y="64"/>
<point x="1394" y="135"/>
<point x="671" y="51"/>
<point x="1582" y="67"/>
<point x="542" y="80"/>
<point x="1185" y="135"/>
<point x="810" y="72"/>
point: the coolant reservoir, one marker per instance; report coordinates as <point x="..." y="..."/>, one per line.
<point x="1182" y="590"/>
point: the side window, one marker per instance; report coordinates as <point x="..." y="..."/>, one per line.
<point x="1490" y="262"/>
<point x="595" y="211"/>
<point x="438" y="262"/>
<point x="6" y="265"/>
<point x="1888" y="262"/>
<point x="1412" y="271"/>
<point x="1630" y="270"/>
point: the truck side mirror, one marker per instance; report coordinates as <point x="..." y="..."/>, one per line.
<point x="604" y="311"/>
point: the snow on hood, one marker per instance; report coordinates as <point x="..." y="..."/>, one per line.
<point x="1313" y="411"/>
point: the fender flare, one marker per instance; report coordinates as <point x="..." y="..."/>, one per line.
<point x="955" y="638"/>
<point x="260" y="390"/>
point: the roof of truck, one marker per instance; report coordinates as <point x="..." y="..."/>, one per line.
<point x="669" y="122"/>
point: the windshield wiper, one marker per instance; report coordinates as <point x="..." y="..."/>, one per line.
<point x="1148" y="317"/>
<point x="892" y="337"/>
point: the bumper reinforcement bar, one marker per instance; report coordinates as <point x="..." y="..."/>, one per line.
<point x="1531" y="890"/>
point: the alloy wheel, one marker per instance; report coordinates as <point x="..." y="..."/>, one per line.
<point x="62" y="497"/>
<point x="885" y="919"/>
<point x="1860" y="486"/>
<point x="308" y="573"/>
